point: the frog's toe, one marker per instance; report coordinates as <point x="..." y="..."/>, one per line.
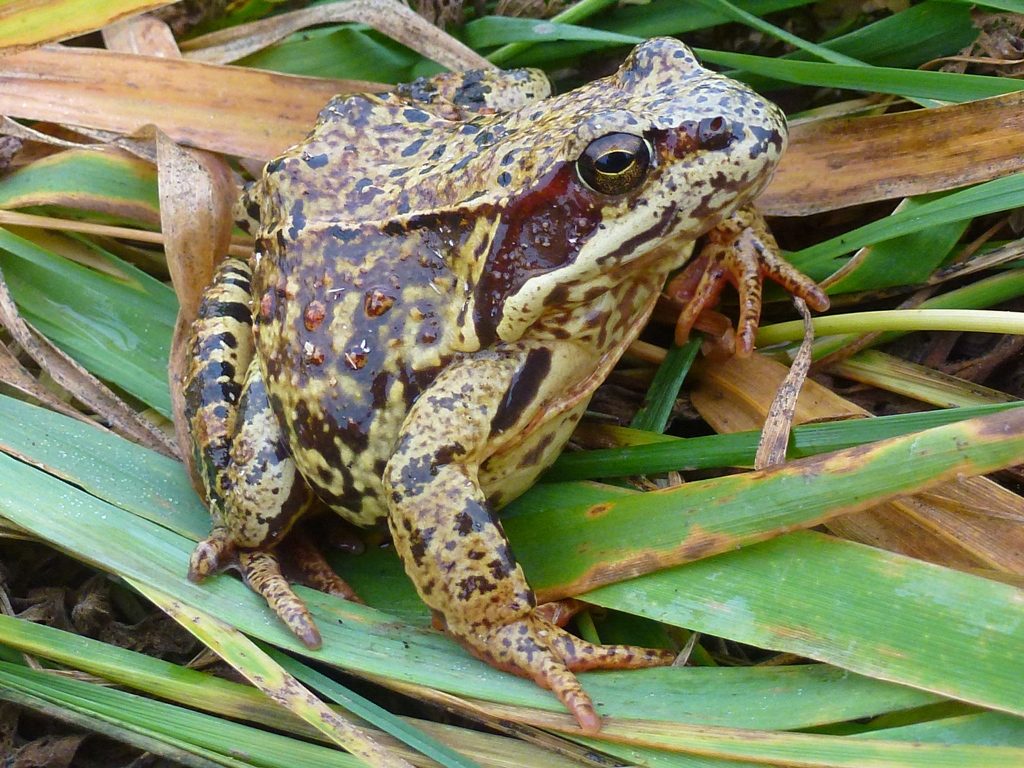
<point x="262" y="572"/>
<point x="312" y="569"/>
<point x="742" y="252"/>
<point x="533" y="647"/>
<point x="211" y="555"/>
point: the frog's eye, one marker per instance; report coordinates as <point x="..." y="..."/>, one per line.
<point x="614" y="163"/>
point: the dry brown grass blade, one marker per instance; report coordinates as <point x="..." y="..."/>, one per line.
<point x="837" y="163"/>
<point x="735" y="395"/>
<point x="26" y="23"/>
<point x="394" y="19"/>
<point x="771" y="448"/>
<point x="197" y="192"/>
<point x="85" y="387"/>
<point x="236" y="111"/>
<point x="18" y="220"/>
<point x="16" y="376"/>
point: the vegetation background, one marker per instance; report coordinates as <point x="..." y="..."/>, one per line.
<point x="859" y="605"/>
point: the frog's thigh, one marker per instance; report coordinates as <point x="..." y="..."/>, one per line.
<point x="265" y="493"/>
<point x="450" y="541"/>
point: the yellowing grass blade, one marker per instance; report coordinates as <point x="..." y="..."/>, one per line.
<point x="29" y="22"/>
<point x="263" y="672"/>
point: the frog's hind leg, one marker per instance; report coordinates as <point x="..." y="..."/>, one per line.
<point x="255" y="492"/>
<point x="452" y="543"/>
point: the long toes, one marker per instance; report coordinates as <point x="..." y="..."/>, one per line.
<point x="524" y="648"/>
<point x="533" y="647"/>
<point x="793" y="280"/>
<point x="262" y="572"/>
<point x="581" y="656"/>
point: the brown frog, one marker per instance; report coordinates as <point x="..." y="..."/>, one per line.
<point x="442" y="277"/>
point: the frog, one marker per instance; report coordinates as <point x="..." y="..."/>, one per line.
<point x="442" y="276"/>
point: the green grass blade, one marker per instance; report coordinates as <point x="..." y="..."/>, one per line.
<point x="1005" y="193"/>
<point x="899" y="321"/>
<point x="863" y="609"/>
<point x="500" y="30"/>
<point x="120" y="186"/>
<point x="117" y="327"/>
<point x="738" y="449"/>
<point x="375" y="643"/>
<point x="25" y="24"/>
<point x="373" y="714"/>
<point x="148" y="724"/>
<point x="654" y="414"/>
<point x="912" y="84"/>
<point x="627" y="533"/>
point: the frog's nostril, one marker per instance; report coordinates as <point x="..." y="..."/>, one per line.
<point x="714" y="133"/>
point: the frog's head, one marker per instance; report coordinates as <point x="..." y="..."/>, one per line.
<point x="653" y="156"/>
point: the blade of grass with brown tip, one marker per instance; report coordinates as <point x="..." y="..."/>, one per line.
<point x="105" y="181"/>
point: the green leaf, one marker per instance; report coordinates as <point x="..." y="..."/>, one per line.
<point x="863" y="609"/>
<point x="1000" y="194"/>
<point x="944" y="86"/>
<point x="499" y="30"/>
<point x="363" y="639"/>
<point x="118" y="185"/>
<point x="737" y="449"/>
<point x="151" y="724"/>
<point x="119" y="327"/>
<point x="654" y="414"/>
<point x="24" y="24"/>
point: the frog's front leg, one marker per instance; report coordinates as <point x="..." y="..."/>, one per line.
<point x="452" y="544"/>
<point x="742" y="251"/>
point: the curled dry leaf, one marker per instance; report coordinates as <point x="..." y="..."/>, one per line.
<point x="236" y="111"/>
<point x="143" y="35"/>
<point x="394" y="19"/>
<point x="25" y="23"/>
<point x="837" y="163"/>
<point x="734" y="396"/>
<point x="771" y="448"/>
<point x="85" y="387"/>
<point x="197" y="192"/>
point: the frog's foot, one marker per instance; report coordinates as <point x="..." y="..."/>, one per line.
<point x="262" y="571"/>
<point x="211" y="555"/>
<point x="534" y="648"/>
<point x="307" y="564"/>
<point x="740" y="251"/>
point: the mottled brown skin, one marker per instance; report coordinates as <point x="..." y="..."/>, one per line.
<point x="442" y="277"/>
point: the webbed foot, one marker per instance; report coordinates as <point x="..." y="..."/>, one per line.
<point x="742" y="252"/>
<point x="533" y="647"/>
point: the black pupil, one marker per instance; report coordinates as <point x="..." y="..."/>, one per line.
<point x="614" y="162"/>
